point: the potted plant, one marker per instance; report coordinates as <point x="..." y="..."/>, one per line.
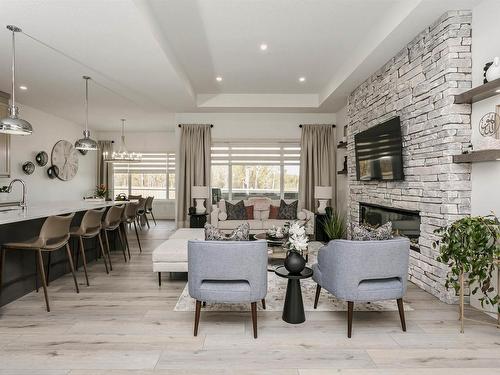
<point x="101" y="191"/>
<point x="296" y="244"/>
<point x="471" y="246"/>
<point x="334" y="225"/>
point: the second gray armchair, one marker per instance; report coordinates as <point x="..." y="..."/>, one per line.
<point x="227" y="272"/>
<point x="363" y="271"/>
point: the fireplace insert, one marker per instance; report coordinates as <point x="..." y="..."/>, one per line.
<point x="404" y="222"/>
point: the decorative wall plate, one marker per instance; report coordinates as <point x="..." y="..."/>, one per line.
<point x="28" y="167"/>
<point x="489" y="124"/>
<point x="65" y="158"/>
<point x="42" y="158"/>
<point x="52" y="172"/>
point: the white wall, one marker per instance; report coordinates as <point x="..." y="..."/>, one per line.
<point x="47" y="130"/>
<point x="485" y="45"/>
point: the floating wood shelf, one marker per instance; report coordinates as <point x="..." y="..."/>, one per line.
<point x="343" y="171"/>
<point x="342" y="145"/>
<point x="477" y="156"/>
<point x="479" y="93"/>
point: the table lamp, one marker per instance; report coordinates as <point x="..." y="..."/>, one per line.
<point x="322" y="194"/>
<point x="199" y="194"/>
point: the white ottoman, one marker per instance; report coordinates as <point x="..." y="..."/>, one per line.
<point x="171" y="255"/>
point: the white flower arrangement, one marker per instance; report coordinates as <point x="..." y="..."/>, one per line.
<point x="297" y="238"/>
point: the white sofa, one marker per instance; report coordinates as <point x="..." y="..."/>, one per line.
<point x="261" y="221"/>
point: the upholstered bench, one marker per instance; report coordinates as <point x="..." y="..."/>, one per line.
<point x="172" y="255"/>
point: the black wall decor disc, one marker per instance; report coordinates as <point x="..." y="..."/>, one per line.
<point x="28" y="167"/>
<point x="52" y="172"/>
<point x="42" y="158"/>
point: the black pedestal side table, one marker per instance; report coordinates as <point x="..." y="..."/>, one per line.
<point x="293" y="311"/>
<point x="197" y="220"/>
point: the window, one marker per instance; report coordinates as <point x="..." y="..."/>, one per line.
<point x="154" y="176"/>
<point x="241" y="170"/>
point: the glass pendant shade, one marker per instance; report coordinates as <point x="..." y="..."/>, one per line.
<point x="86" y="143"/>
<point x="13" y="124"/>
<point x="122" y="155"/>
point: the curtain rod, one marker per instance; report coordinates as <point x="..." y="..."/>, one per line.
<point x="333" y="126"/>
<point x="181" y="126"/>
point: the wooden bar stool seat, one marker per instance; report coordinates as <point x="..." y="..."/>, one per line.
<point x="53" y="236"/>
<point x="90" y="227"/>
<point x="149" y="208"/>
<point x="112" y="222"/>
<point x="129" y="217"/>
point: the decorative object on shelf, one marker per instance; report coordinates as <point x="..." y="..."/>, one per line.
<point x="296" y="244"/>
<point x="322" y="194"/>
<point x="493" y="71"/>
<point x="101" y="191"/>
<point x="199" y="194"/>
<point x="42" y="159"/>
<point x="28" y="167"/>
<point x="485" y="69"/>
<point x="13" y="124"/>
<point x="488" y="125"/>
<point x="471" y="246"/>
<point x="333" y="225"/>
<point x="122" y="155"/>
<point x="86" y="143"/>
<point x="65" y="158"/>
<point x="52" y="172"/>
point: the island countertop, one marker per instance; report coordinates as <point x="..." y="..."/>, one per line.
<point x="45" y="209"/>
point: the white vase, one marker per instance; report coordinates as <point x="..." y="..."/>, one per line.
<point x="494" y="70"/>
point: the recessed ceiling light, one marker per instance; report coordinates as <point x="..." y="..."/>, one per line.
<point x="497" y="90"/>
<point x="263" y="47"/>
<point x="23" y="88"/>
<point x="218" y="79"/>
<point x="302" y="79"/>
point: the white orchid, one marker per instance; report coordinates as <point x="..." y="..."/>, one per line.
<point x="297" y="239"/>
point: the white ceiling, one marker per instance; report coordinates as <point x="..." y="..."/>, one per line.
<point x="151" y="58"/>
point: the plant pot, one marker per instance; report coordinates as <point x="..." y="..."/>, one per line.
<point x="294" y="262"/>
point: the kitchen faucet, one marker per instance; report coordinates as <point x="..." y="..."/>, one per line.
<point x="8" y="189"/>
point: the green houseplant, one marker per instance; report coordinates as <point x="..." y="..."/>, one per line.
<point x="471" y="246"/>
<point x="334" y="225"/>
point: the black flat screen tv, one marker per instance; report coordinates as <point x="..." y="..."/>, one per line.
<point x="379" y="152"/>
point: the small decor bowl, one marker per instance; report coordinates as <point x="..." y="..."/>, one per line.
<point x="28" y="167"/>
<point x="42" y="159"/>
<point x="52" y="172"/>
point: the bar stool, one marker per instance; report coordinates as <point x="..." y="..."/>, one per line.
<point x="130" y="217"/>
<point x="90" y="227"/>
<point x="111" y="223"/>
<point x="53" y="236"/>
<point x="141" y="212"/>
<point x="149" y="207"/>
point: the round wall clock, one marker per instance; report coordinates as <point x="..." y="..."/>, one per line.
<point x="65" y="158"/>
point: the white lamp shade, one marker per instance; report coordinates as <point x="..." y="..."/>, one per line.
<point x="323" y="192"/>
<point x="199" y="192"/>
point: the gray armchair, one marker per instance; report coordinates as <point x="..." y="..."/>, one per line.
<point x="363" y="271"/>
<point x="227" y="272"/>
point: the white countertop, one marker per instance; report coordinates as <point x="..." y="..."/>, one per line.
<point x="45" y="209"/>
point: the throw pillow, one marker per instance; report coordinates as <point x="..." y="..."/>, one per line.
<point x="364" y="233"/>
<point x="241" y="233"/>
<point x="213" y="234"/>
<point x="288" y="211"/>
<point x="236" y="211"/>
<point x="273" y="212"/>
<point x="249" y="212"/>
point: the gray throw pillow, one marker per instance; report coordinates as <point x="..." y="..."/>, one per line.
<point x="236" y="211"/>
<point x="213" y="234"/>
<point x="364" y="233"/>
<point x="242" y="233"/>
<point x="288" y="211"/>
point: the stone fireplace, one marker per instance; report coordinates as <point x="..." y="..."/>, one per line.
<point x="418" y="85"/>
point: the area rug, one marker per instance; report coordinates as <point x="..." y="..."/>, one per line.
<point x="276" y="290"/>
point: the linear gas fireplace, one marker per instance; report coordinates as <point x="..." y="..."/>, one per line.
<point x="404" y="222"/>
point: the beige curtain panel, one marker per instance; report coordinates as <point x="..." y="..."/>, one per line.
<point x="317" y="163"/>
<point x="194" y="167"/>
<point x="103" y="168"/>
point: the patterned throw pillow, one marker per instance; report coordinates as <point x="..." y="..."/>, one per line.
<point x="236" y="211"/>
<point x="213" y="234"/>
<point x="273" y="212"/>
<point x="363" y="233"/>
<point x="249" y="212"/>
<point x="242" y="233"/>
<point x="288" y="211"/>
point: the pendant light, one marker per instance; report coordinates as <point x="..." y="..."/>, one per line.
<point x="13" y="124"/>
<point x="86" y="143"/>
<point x="123" y="155"/>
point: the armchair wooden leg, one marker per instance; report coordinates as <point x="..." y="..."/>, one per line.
<point x="350" y="308"/>
<point x="254" y="319"/>
<point x="401" y="314"/>
<point x="197" y="317"/>
<point x="159" y="279"/>
<point x="316" y="298"/>
<point x="264" y="303"/>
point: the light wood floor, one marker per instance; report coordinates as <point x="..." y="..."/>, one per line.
<point x="124" y="324"/>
